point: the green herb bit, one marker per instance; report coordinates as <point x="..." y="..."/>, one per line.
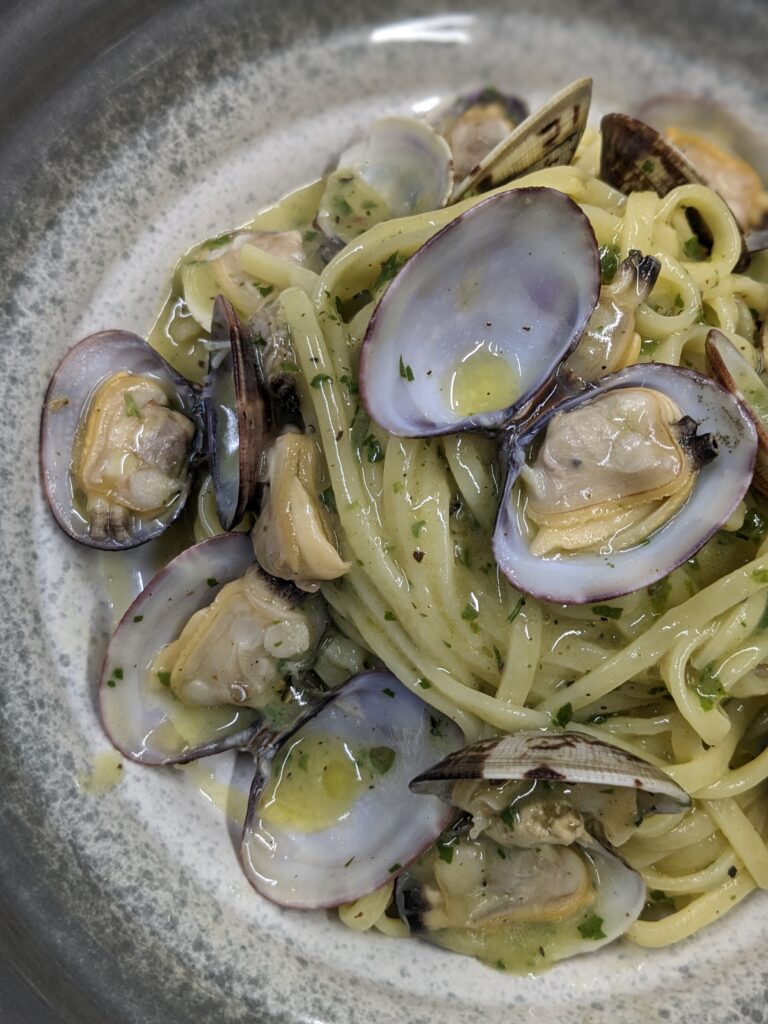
<point x="658" y="896"/>
<point x="516" y="610"/>
<point x="328" y="499"/>
<point x="760" y="575"/>
<point x="609" y="262"/>
<point x="679" y="301"/>
<point x="347" y="863"/>
<point x="606" y="611"/>
<point x="395" y="867"/>
<point x="117" y="673"/>
<point x="111" y="682"/>
<point x="341" y="206"/>
<point x="389" y="269"/>
<point x="339" y="307"/>
<point x="216" y="243"/>
<point x="659" y="594"/>
<point x="309" y="235"/>
<point x="469" y="612"/>
<point x="445" y="850"/>
<point x="388" y="692"/>
<point x="212" y="581"/>
<point x="302" y="761"/>
<point x="138" y="618"/>
<point x="508" y="817"/>
<point x="405" y="371"/>
<point x="461" y="554"/>
<point x="499" y="658"/>
<point x="374" y="450"/>
<point x="319" y="379"/>
<point x="288" y="366"/>
<point x="500" y="965"/>
<point x="131" y="409"/>
<point x="708" y="687"/>
<point x="692" y="249"/>
<point x="754" y="527"/>
<point x="563" y="715"/>
<point x="435" y="726"/>
<point x="265" y="289"/>
<point x="389" y="616"/>
<point x="763" y="622"/>
<point x="418" y="526"/>
<point x="382" y="759"/>
<point x="424" y="683"/>
<point x="647" y="166"/>
<point x="592" y="927"/>
<point x="349" y="384"/>
<point x="164" y="677"/>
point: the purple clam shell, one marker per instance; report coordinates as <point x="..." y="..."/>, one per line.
<point x="719" y="487"/>
<point x="81" y="370"/>
<point x="385" y="829"/>
<point x="518" y="273"/>
<point x="136" y="713"/>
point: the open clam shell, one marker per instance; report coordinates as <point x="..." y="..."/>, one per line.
<point x="733" y="371"/>
<point x="238" y="418"/>
<point x="402" y="167"/>
<point x="568" y="757"/>
<point x="331" y="817"/>
<point x="577" y="578"/>
<point x="516" y="924"/>
<point x="549" y="137"/>
<point x="140" y="714"/>
<point x="473" y="326"/>
<point x="81" y="371"/>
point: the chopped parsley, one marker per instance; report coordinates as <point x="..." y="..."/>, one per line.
<point x="349" y="384"/>
<point x="138" y="618"/>
<point x="388" y="692"/>
<point x="754" y="527"/>
<point x="405" y="371"/>
<point x="131" y="409"/>
<point x="418" y="526"/>
<point x="389" y="269"/>
<point x="609" y="263"/>
<point x="592" y="927"/>
<point x="708" y="687"/>
<point x="117" y="673"/>
<point x="374" y="450"/>
<point x="328" y="499"/>
<point x="607" y="611"/>
<point x="382" y="759"/>
<point x="469" y="612"/>
<point x="516" y="610"/>
<point x="302" y="761"/>
<point x="319" y="379"/>
<point x="692" y="248"/>
<point x="395" y="867"/>
<point x="389" y="616"/>
<point x="445" y="850"/>
<point x="212" y="581"/>
<point x="164" y="677"/>
<point x="498" y="657"/>
<point x="288" y="366"/>
<point x="265" y="289"/>
<point x="347" y="863"/>
<point x="563" y="715"/>
<point x="659" y="595"/>
<point x="424" y="683"/>
<point x="760" y="575"/>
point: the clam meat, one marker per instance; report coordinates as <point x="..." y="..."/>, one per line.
<point x="118" y="435"/>
<point x="529" y="875"/>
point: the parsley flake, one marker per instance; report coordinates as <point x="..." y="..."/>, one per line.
<point x="131" y="409"/>
<point x="592" y="927"/>
<point x="606" y="611"/>
<point x="319" y="379"/>
<point x="563" y="715"/>
<point x="405" y="371"/>
<point x="418" y="526"/>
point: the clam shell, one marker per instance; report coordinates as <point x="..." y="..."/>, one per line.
<point x="559" y="757"/>
<point x="518" y="274"/>
<point x="721" y="483"/>
<point x="386" y="827"/>
<point x="547" y="138"/>
<point x="137" y="714"/>
<point x="82" y="369"/>
<point x="238" y="418"/>
<point x="733" y="371"/>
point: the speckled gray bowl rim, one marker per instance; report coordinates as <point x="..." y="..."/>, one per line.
<point x="108" y="113"/>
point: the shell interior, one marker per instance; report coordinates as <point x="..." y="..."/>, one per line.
<point x="475" y="323"/>
<point x="140" y="714"/>
<point x="580" y="577"/>
<point x="330" y="841"/>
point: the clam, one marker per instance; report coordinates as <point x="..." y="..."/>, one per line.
<point x="549" y="137"/>
<point x="331" y="817"/>
<point x="475" y="123"/>
<point x="119" y="432"/>
<point x="472" y="327"/>
<point x="402" y="167"/>
<point x="610" y="490"/>
<point x="291" y="538"/>
<point x="529" y="875"/>
<point x="726" y="151"/>
<point x="636" y="158"/>
<point x="238" y="417"/>
<point x="729" y="366"/>
<point x="610" y="340"/>
<point x="210" y="654"/>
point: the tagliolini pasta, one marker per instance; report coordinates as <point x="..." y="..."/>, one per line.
<point x="676" y="673"/>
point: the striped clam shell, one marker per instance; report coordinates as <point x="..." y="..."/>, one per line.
<point x="566" y="757"/>
<point x="547" y="138"/>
